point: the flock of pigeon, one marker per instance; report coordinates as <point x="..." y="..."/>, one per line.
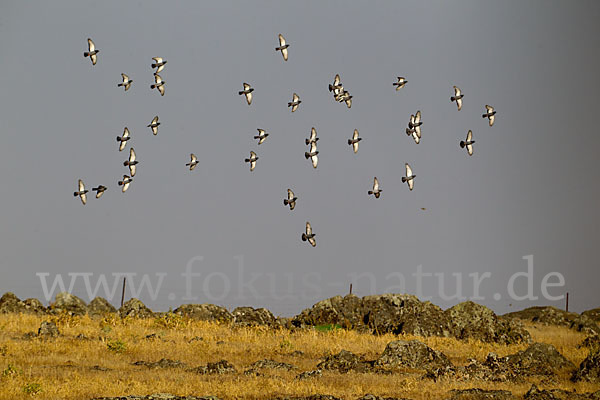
<point x="339" y="94"/>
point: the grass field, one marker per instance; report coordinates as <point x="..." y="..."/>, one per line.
<point x="64" y="368"/>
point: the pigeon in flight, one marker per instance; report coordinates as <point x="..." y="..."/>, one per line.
<point x="295" y="102"/>
<point x="457" y="97"/>
<point x="99" y="190"/>
<point x="248" y="92"/>
<point x="354" y="141"/>
<point x="415" y="124"/>
<point x="413" y="132"/>
<point x="159" y="84"/>
<point x="252" y="160"/>
<point x="309" y="235"/>
<point x="92" y="52"/>
<point x="81" y="192"/>
<point x="125" y="183"/>
<point x="123" y="139"/>
<point x="313" y="137"/>
<point x="336" y="87"/>
<point x="468" y="143"/>
<point x="376" y="191"/>
<point x="126" y="82"/>
<point x="159" y="64"/>
<point x="312" y="154"/>
<point x="193" y="162"/>
<point x="132" y="162"/>
<point x="490" y="114"/>
<point x="282" y="47"/>
<point x="154" y="125"/>
<point x="409" y="178"/>
<point x="400" y="84"/>
<point x="291" y="199"/>
<point x="347" y="98"/>
<point x="262" y="135"/>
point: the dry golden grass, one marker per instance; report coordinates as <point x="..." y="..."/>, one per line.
<point x="62" y="368"/>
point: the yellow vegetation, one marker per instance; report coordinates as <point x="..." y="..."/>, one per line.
<point x="65" y="367"/>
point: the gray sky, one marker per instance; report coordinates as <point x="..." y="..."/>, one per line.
<point x="532" y="186"/>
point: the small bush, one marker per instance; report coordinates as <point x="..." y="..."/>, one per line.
<point x="171" y="321"/>
<point x="32" y="389"/>
<point x="116" y="346"/>
<point x="327" y="327"/>
<point x="11" y="370"/>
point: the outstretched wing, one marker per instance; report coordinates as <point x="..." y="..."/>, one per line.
<point x="456" y="91"/>
<point x="290" y="194"/>
<point x="308" y="229"/>
<point x="131" y="155"/>
<point x="375" y="185"/>
<point x="91" y="45"/>
<point x="408" y="170"/>
<point x="81" y="186"/>
<point x="158" y="59"/>
<point x="469" y="136"/>
<point x="125" y="132"/>
<point x="295" y="98"/>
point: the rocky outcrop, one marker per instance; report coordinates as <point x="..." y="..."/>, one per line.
<point x="589" y="369"/>
<point x="346" y="361"/>
<point x="248" y="316"/>
<point x="593" y="314"/>
<point x="412" y="354"/>
<point x="48" y="330"/>
<point x="136" y="309"/>
<point x="268" y="363"/>
<point x="162" y="363"/>
<point x="558" y="394"/>
<point x="309" y="374"/>
<point x="100" y="307"/>
<point x="68" y="303"/>
<point x="401" y="313"/>
<point x="538" y="359"/>
<point x="590" y="342"/>
<point x="204" y="312"/>
<point x="158" y="396"/>
<point x="219" y="367"/>
<point x="553" y="316"/>
<point x="9" y="303"/>
<point x="480" y="394"/>
<point x="470" y="320"/>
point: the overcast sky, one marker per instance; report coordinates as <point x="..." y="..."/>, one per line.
<point x="531" y="188"/>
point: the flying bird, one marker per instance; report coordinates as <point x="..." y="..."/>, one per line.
<point x="126" y="82"/>
<point x="490" y="114"/>
<point x="132" y="162"/>
<point x="354" y="141"/>
<point x="154" y="125"/>
<point x="376" y="191"/>
<point x="347" y="98"/>
<point x="312" y="154"/>
<point x="99" y="190"/>
<point x="248" y="92"/>
<point x="125" y="183"/>
<point x="415" y="124"/>
<point x="336" y="87"/>
<point x="262" y="135"/>
<point x="81" y="192"/>
<point x="283" y="47"/>
<point x="159" y="64"/>
<point x="159" y="84"/>
<point x="468" y="143"/>
<point x="416" y="136"/>
<point x="252" y="160"/>
<point x="291" y="199"/>
<point x="313" y="137"/>
<point x="92" y="52"/>
<point x="400" y="84"/>
<point x="295" y="102"/>
<point x="409" y="178"/>
<point x="457" y="97"/>
<point x="193" y="162"/>
<point x="309" y="235"/>
<point x="123" y="139"/>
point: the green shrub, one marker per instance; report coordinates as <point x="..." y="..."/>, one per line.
<point x="117" y="346"/>
<point x="32" y="389"/>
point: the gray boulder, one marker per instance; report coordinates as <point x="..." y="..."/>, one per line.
<point x="48" y="330"/>
<point x="135" y="308"/>
<point x="100" y="307"/>
<point x="345" y="361"/>
<point x="412" y="354"/>
<point x="68" y="303"/>
<point x="9" y="303"/>
<point x="480" y="394"/>
<point x="248" y="316"/>
<point x="204" y="312"/>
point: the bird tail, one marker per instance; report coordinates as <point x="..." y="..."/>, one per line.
<point x="409" y="131"/>
<point x="304" y="237"/>
<point x="120" y="183"/>
<point x="452" y="98"/>
<point x="349" y="141"/>
<point x="86" y="54"/>
<point x="370" y="192"/>
<point x="126" y="163"/>
<point x="119" y="84"/>
<point x="75" y="194"/>
<point x="118" y="138"/>
<point x="307" y="141"/>
<point x="154" y="65"/>
<point x="462" y="144"/>
<point x="285" y="202"/>
<point x="152" y="86"/>
<point x="377" y="195"/>
<point x="484" y="116"/>
<point x="247" y="159"/>
<point x="241" y="93"/>
<point x="330" y="87"/>
<point x="306" y="155"/>
<point x="403" y="179"/>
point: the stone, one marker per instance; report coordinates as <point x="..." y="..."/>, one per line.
<point x="589" y="369"/>
<point x="100" y="307"/>
<point x="345" y="361"/>
<point x="68" y="303"/>
<point x="204" y="312"/>
<point x="135" y="308"/>
<point x="248" y="316"/>
<point x="219" y="367"/>
<point x="48" y="329"/>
